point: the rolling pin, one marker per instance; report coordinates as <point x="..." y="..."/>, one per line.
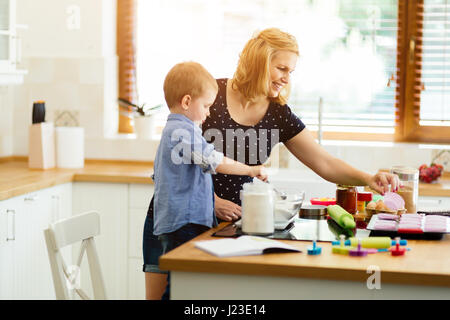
<point x="341" y="216"/>
<point x="372" y="242"/>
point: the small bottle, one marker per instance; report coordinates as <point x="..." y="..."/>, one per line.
<point x="362" y="199"/>
<point x="346" y="198"/>
<point x="361" y="220"/>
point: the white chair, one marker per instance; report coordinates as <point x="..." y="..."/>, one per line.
<point x="84" y="228"/>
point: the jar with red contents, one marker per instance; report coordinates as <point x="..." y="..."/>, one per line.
<point x="346" y="197"/>
<point x="362" y="199"/>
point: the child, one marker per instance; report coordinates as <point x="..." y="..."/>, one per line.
<point x="184" y="162"/>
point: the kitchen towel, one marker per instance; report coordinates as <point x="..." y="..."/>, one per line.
<point x="70" y="147"/>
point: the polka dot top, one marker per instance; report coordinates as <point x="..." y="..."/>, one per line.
<point x="247" y="144"/>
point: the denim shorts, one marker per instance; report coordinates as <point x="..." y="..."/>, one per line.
<point x="170" y="241"/>
<point x="151" y="246"/>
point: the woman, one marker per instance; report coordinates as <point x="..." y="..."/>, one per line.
<point x="248" y="118"/>
<point x="255" y="98"/>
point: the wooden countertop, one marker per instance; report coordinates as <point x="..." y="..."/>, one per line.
<point x="16" y="178"/>
<point x="439" y="189"/>
<point x="427" y="263"/>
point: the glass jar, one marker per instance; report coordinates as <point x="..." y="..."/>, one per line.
<point x="257" y="201"/>
<point x="362" y="199"/>
<point x="409" y="186"/>
<point x="346" y="197"/>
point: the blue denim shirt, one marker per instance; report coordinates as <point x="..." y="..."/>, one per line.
<point x="184" y="191"/>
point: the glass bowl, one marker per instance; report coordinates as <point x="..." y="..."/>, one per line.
<point x="286" y="209"/>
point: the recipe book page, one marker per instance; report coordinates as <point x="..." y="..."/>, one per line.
<point x="244" y="245"/>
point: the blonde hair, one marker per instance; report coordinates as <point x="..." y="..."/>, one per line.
<point x="252" y="74"/>
<point x="187" y="78"/>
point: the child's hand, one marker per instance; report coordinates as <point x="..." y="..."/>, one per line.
<point x="258" y="172"/>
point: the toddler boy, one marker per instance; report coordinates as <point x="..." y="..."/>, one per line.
<point x="184" y="162"/>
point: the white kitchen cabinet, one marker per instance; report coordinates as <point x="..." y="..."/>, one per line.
<point x="8" y="209"/>
<point x="122" y="208"/>
<point x="24" y="265"/>
<point x="24" y="268"/>
<point x="111" y="202"/>
<point x="139" y="200"/>
<point x="10" y="45"/>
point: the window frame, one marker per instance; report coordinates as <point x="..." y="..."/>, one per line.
<point x="409" y="50"/>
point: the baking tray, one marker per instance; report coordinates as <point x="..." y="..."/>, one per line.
<point x="414" y="236"/>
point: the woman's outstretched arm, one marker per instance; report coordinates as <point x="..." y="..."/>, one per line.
<point x="304" y="147"/>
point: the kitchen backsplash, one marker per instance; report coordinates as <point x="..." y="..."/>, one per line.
<point x="76" y="86"/>
<point x="371" y="156"/>
<point x="367" y="156"/>
<point x="6" y="121"/>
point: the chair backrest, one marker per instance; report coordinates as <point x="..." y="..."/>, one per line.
<point x="80" y="228"/>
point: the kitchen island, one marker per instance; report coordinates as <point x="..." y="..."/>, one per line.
<point x="422" y="273"/>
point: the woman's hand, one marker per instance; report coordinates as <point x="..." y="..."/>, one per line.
<point x="381" y="181"/>
<point x="226" y="210"/>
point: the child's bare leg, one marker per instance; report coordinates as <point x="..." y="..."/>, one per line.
<point x="155" y="284"/>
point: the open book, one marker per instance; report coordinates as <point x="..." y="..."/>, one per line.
<point x="243" y="246"/>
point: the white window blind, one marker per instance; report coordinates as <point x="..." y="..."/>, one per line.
<point x="435" y="83"/>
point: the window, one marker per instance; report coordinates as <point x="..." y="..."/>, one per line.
<point x="352" y="67"/>
<point x="423" y="106"/>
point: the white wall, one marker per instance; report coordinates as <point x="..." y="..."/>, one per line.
<point x="71" y="62"/>
<point x="6" y="121"/>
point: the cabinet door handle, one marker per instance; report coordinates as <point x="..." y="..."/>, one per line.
<point x="31" y="198"/>
<point x="11" y="213"/>
<point x="56" y="208"/>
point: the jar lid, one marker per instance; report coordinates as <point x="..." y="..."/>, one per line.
<point x="406" y="173"/>
<point x="313" y="211"/>
<point x="344" y="186"/>
<point x="364" y="196"/>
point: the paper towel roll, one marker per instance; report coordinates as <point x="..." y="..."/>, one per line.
<point x="69" y="147"/>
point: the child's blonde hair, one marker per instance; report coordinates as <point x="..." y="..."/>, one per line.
<point x="252" y="74"/>
<point x="187" y="78"/>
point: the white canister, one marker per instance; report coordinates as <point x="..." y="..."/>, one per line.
<point x="257" y="208"/>
<point x="70" y="147"/>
